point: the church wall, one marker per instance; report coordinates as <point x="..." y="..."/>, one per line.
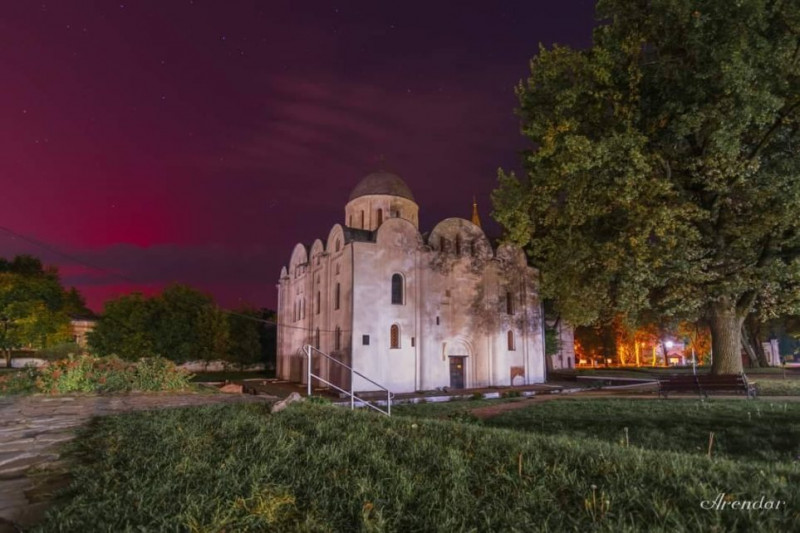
<point x="374" y="313"/>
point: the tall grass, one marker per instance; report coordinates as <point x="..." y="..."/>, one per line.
<point x="322" y="468"/>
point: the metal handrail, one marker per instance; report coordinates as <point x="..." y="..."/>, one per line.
<point x="351" y="393"/>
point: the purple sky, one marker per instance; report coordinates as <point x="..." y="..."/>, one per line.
<point x="198" y="141"/>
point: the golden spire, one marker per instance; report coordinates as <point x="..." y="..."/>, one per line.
<point x="476" y="218"/>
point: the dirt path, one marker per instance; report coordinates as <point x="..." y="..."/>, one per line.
<point x="32" y="429"/>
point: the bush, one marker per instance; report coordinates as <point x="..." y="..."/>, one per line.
<point x="59" y="351"/>
<point x="511" y="394"/>
<point x="85" y="373"/>
<point x="18" y="381"/>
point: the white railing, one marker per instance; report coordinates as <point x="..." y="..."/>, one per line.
<point x="309" y="351"/>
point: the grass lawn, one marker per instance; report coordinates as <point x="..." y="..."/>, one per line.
<point x="323" y="468"/>
<point x="746" y="430"/>
<point x="752" y="430"/>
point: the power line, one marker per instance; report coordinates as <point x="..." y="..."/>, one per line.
<point x="112" y="273"/>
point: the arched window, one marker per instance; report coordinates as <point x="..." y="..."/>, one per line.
<point x="380" y="217"/>
<point x="397" y="289"/>
<point x="337" y="296"/>
<point x="317" y="303"/>
<point x="511" y="345"/>
<point x="338" y="245"/>
<point x="509" y="303"/>
<point x="362" y="219"/>
<point x="458" y="244"/>
<point x="316" y="339"/>
<point x="337" y="339"/>
<point x="394" y="336"/>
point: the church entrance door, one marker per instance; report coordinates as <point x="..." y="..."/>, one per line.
<point x="457" y="371"/>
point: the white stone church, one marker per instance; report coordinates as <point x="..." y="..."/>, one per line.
<point x="411" y="311"/>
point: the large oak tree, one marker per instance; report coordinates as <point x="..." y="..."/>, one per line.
<point x="664" y="172"/>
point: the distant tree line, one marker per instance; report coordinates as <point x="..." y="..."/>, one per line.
<point x="183" y="324"/>
<point x="35" y="309"/>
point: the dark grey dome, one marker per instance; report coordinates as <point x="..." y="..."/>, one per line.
<point x="382" y="183"/>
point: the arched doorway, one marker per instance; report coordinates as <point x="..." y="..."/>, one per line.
<point x="458" y="352"/>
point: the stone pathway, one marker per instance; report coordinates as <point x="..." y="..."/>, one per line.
<point x="32" y="429"/>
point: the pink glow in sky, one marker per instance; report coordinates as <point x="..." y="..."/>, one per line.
<point x="197" y="142"/>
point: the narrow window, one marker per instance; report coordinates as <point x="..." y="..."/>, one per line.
<point x="337" y="339"/>
<point x="362" y="219"/>
<point x="394" y="336"/>
<point x="509" y="304"/>
<point x="397" y="289"/>
<point x="380" y="217"/>
<point x="437" y="320"/>
<point x="337" y="269"/>
<point x="350" y="221"/>
<point x="511" y="345"/>
<point x="365" y="340"/>
<point x="337" y="296"/>
<point x="472" y="247"/>
<point x="316" y="339"/>
<point x="316" y="304"/>
<point x="338" y="245"/>
<point x="442" y="244"/>
<point x="413" y="343"/>
<point x="458" y="244"/>
<point x="303" y="308"/>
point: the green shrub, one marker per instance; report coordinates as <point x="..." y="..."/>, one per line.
<point x="59" y="351"/>
<point x="476" y="396"/>
<point x="85" y="373"/>
<point x="159" y="374"/>
<point x="511" y="394"/>
<point x="19" y="381"/>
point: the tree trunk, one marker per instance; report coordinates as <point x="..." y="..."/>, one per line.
<point x="726" y="338"/>
<point x="752" y="329"/>
<point x="748" y="348"/>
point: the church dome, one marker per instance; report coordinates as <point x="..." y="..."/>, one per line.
<point x="382" y="183"/>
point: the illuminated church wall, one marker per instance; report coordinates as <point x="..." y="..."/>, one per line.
<point x="413" y="312"/>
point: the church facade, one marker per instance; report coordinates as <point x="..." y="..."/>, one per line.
<point x="412" y="312"/>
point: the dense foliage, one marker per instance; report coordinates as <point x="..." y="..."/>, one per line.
<point x="181" y="324"/>
<point x="92" y="374"/>
<point x="238" y="468"/>
<point x="35" y="308"/>
<point x="664" y="169"/>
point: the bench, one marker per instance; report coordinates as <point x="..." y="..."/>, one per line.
<point x="703" y="384"/>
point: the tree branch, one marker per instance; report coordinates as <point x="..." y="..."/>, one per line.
<point x="775" y="125"/>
